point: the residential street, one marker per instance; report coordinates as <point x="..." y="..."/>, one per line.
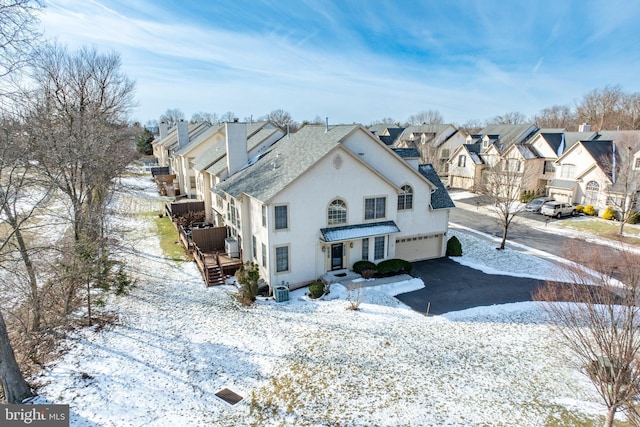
<point x="527" y="230"/>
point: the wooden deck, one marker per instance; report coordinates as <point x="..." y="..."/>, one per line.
<point x="216" y="266"/>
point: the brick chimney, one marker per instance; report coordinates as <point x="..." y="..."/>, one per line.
<point x="236" y="140"/>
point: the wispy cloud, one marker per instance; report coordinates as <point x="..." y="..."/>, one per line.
<point x="354" y="61"/>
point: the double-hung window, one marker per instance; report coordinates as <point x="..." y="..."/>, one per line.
<point x="282" y="259"/>
<point x="375" y="208"/>
<point x="281" y="217"/>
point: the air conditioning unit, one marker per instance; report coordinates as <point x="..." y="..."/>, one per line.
<point x="231" y="247"/>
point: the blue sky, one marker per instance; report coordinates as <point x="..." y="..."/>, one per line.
<point x="358" y="61"/>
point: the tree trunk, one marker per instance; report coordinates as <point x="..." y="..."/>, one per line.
<point x="505" y="228"/>
<point x="15" y="387"/>
<point x="36" y="318"/>
<point x="611" y="415"/>
<point x="28" y="264"/>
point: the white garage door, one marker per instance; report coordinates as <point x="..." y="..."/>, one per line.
<point x="418" y="247"/>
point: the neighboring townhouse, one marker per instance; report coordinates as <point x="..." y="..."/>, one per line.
<point x="173" y="139"/>
<point x="603" y="171"/>
<point x="468" y="162"/>
<point x="503" y="136"/>
<point x="387" y="134"/>
<point x="581" y="175"/>
<point x="326" y="197"/>
<point x="434" y="142"/>
<point x="465" y="167"/>
<point x="212" y="166"/>
<point x="184" y="159"/>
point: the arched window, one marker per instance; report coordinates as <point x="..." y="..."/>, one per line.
<point x="337" y="213"/>
<point x="591" y="193"/>
<point x="405" y="198"/>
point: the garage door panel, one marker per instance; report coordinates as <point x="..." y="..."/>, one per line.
<point x="419" y="248"/>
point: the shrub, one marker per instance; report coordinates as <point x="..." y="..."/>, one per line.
<point x="454" y="247"/>
<point x="354" y="296"/>
<point x="610" y="213"/>
<point x="634" y="218"/>
<point x="579" y="209"/>
<point x="391" y="267"/>
<point x="368" y="273"/>
<point x="189" y="218"/>
<point x="590" y="210"/>
<point x="360" y="266"/>
<point x="248" y="276"/>
<point x="316" y="290"/>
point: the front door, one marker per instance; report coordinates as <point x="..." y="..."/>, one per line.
<point x="336" y="256"/>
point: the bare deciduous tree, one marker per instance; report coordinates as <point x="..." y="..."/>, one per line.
<point x="202" y="117"/>
<point x="18" y="20"/>
<point x="504" y="181"/>
<point x="14" y="386"/>
<point x="600" y="107"/>
<point x="558" y="117"/>
<point x="78" y="122"/>
<point x="512" y="118"/>
<point x="630" y="106"/>
<point x="624" y="174"/>
<point x="282" y="119"/>
<point x="18" y="34"/>
<point x="601" y="323"/>
<point x="429" y="117"/>
<point x="385" y="121"/>
<point x="21" y="193"/>
<point x="172" y="116"/>
<point x="79" y="125"/>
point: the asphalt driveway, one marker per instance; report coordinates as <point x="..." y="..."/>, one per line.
<point x="450" y="286"/>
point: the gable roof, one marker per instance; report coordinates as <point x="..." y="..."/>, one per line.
<point x="220" y="163"/>
<point x="406" y="152"/>
<point x="171" y="140"/>
<point x="440" y="198"/>
<point x="386" y="133"/>
<point x="199" y="138"/>
<point x="508" y="134"/>
<point x="288" y="159"/>
<point x="472" y="150"/>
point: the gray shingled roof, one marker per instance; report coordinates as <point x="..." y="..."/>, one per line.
<point x="202" y="131"/>
<point x="289" y="158"/>
<point x="440" y="198"/>
<point x="473" y="150"/>
<point x="527" y="151"/>
<point x="563" y="183"/>
<point x="509" y="134"/>
<point x="406" y="152"/>
<point x="216" y="167"/>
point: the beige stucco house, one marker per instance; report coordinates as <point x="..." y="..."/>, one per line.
<point x="327" y="196"/>
<point x="603" y="171"/>
<point x="212" y="165"/>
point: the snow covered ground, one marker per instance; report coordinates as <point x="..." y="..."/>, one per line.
<point x="307" y="362"/>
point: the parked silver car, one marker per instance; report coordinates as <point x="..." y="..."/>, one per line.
<point x="557" y="209"/>
<point x="535" y="204"/>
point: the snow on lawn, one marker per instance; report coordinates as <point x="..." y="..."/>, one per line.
<point x="308" y="362"/>
<point x="482" y="255"/>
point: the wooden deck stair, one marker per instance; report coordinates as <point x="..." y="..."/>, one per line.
<point x="215" y="277"/>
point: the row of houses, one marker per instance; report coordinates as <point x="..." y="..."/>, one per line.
<point x="597" y="168"/>
<point x="311" y="203"/>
